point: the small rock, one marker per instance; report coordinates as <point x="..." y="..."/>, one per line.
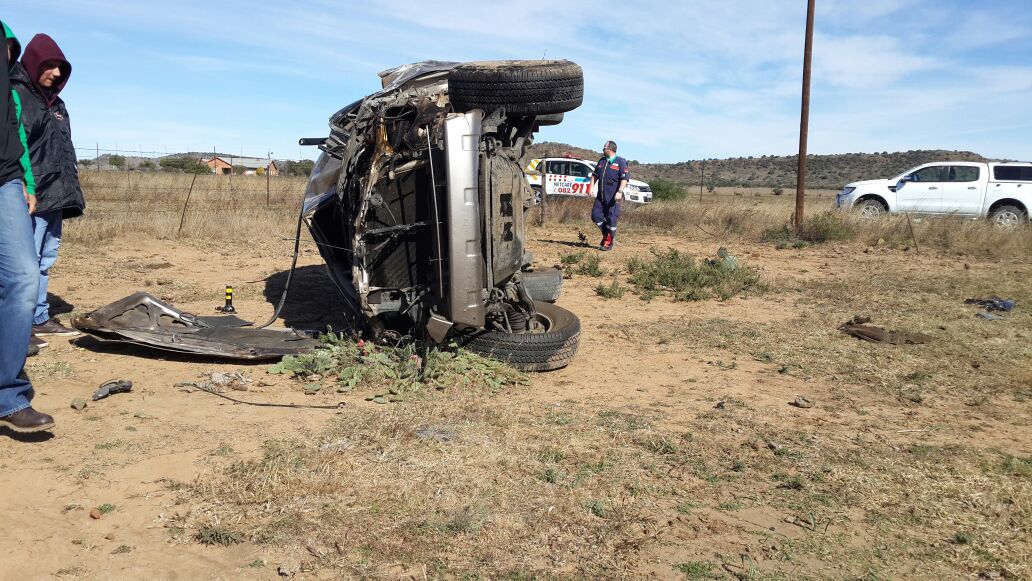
<point x="110" y="536"/>
<point x="380" y="399"/>
<point x="335" y="446"/>
<point x="288" y="568"/>
<point x="720" y="405"/>
<point x="772" y="445"/>
<point x="802" y="402"/>
<point x="881" y="242"/>
<point x="78" y="404"/>
<point x="95" y="513"/>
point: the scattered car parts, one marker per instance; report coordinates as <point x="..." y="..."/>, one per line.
<point x="142" y="319"/>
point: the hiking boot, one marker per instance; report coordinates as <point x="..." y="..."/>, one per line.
<point x="607" y="243"/>
<point x="39" y="343"/>
<point x="33" y="351"/>
<point x="53" y="327"/>
<point x="27" y="421"/>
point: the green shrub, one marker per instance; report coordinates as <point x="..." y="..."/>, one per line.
<point x="613" y="290"/>
<point x="590" y="266"/>
<point x="679" y="275"/>
<point x="663" y="190"/>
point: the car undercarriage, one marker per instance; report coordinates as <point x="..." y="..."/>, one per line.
<point x="418" y="205"/>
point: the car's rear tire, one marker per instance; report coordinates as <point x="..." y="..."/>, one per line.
<point x="543" y="351"/>
<point x="519" y="87"/>
<point x="870" y="210"/>
<point x="544" y="285"/>
<point x="1008" y="217"/>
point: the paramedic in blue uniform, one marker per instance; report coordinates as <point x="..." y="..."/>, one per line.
<point x="611" y="175"/>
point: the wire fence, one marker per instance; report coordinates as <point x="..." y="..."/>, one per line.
<point x="220" y="162"/>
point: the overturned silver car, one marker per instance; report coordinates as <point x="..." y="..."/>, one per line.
<point x="418" y="206"/>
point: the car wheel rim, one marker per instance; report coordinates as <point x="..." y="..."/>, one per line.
<point x="539" y="324"/>
<point x="869" y="212"/>
<point x="1007" y="220"/>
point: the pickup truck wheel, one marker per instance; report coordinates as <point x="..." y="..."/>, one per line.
<point x="870" y="210"/>
<point x="519" y="87"/>
<point x="546" y="350"/>
<point x="544" y="285"/>
<point x="1007" y="217"/>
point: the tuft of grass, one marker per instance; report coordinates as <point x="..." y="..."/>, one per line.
<point x="962" y="538"/>
<point x="106" y="508"/>
<point x="391" y="372"/>
<point x="590" y="265"/>
<point x="696" y="570"/>
<point x="678" y="274"/>
<point x="571" y="258"/>
<point x="613" y="290"/>
<point x="217" y="535"/>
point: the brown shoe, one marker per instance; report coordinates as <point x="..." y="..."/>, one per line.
<point x="27" y="421"/>
<point x="33" y="351"/>
<point x="53" y="327"/>
<point x="37" y="342"/>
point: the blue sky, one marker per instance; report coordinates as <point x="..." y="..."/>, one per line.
<point x="669" y="81"/>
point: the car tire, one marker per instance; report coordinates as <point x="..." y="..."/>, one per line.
<point x="1008" y="217"/>
<point x="544" y="285"/>
<point x="870" y="210"/>
<point x="552" y="349"/>
<point x="519" y="87"/>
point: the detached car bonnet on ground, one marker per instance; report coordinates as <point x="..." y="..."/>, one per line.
<point x="418" y="206"/>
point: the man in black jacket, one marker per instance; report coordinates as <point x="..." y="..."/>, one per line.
<point x="19" y="274"/>
<point x="39" y="78"/>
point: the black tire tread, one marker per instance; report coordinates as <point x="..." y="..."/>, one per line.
<point x="532" y="351"/>
<point x="520" y="87"/>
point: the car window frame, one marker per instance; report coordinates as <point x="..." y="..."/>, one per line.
<point x="951" y="173"/>
<point x="941" y="172"/>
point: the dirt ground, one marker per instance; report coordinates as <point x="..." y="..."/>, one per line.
<point x="679" y="363"/>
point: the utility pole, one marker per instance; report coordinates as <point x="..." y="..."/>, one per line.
<point x="804" y="119"/>
<point x="702" y="180"/>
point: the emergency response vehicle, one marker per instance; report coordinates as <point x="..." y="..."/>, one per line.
<point x="569" y="176"/>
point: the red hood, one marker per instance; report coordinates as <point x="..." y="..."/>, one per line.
<point x="41" y="49"/>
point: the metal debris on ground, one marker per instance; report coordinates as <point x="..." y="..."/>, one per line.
<point x="144" y="320"/>
<point x="111" y="387"/>
<point x="858" y="328"/>
<point x="992" y="304"/>
<point x="987" y="316"/>
<point x="219" y="381"/>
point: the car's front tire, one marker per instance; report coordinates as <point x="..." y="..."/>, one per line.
<point x="870" y="210"/>
<point x="550" y="349"/>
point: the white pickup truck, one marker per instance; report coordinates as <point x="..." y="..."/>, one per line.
<point x="1001" y="192"/>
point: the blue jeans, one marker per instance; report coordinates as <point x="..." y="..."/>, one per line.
<point x="46" y="230"/>
<point x="19" y="282"/>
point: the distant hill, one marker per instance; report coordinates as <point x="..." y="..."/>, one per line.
<point x="770" y="171"/>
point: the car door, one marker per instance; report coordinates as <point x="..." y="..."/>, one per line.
<point x="555" y="177"/>
<point x="580" y="178"/>
<point x="962" y="193"/>
<point x="921" y="191"/>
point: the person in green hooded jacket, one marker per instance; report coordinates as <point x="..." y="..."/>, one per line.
<point x="19" y="269"/>
<point x="13" y="52"/>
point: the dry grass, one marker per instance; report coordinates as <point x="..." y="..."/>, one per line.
<point x="482" y="485"/>
<point x="220" y="208"/>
